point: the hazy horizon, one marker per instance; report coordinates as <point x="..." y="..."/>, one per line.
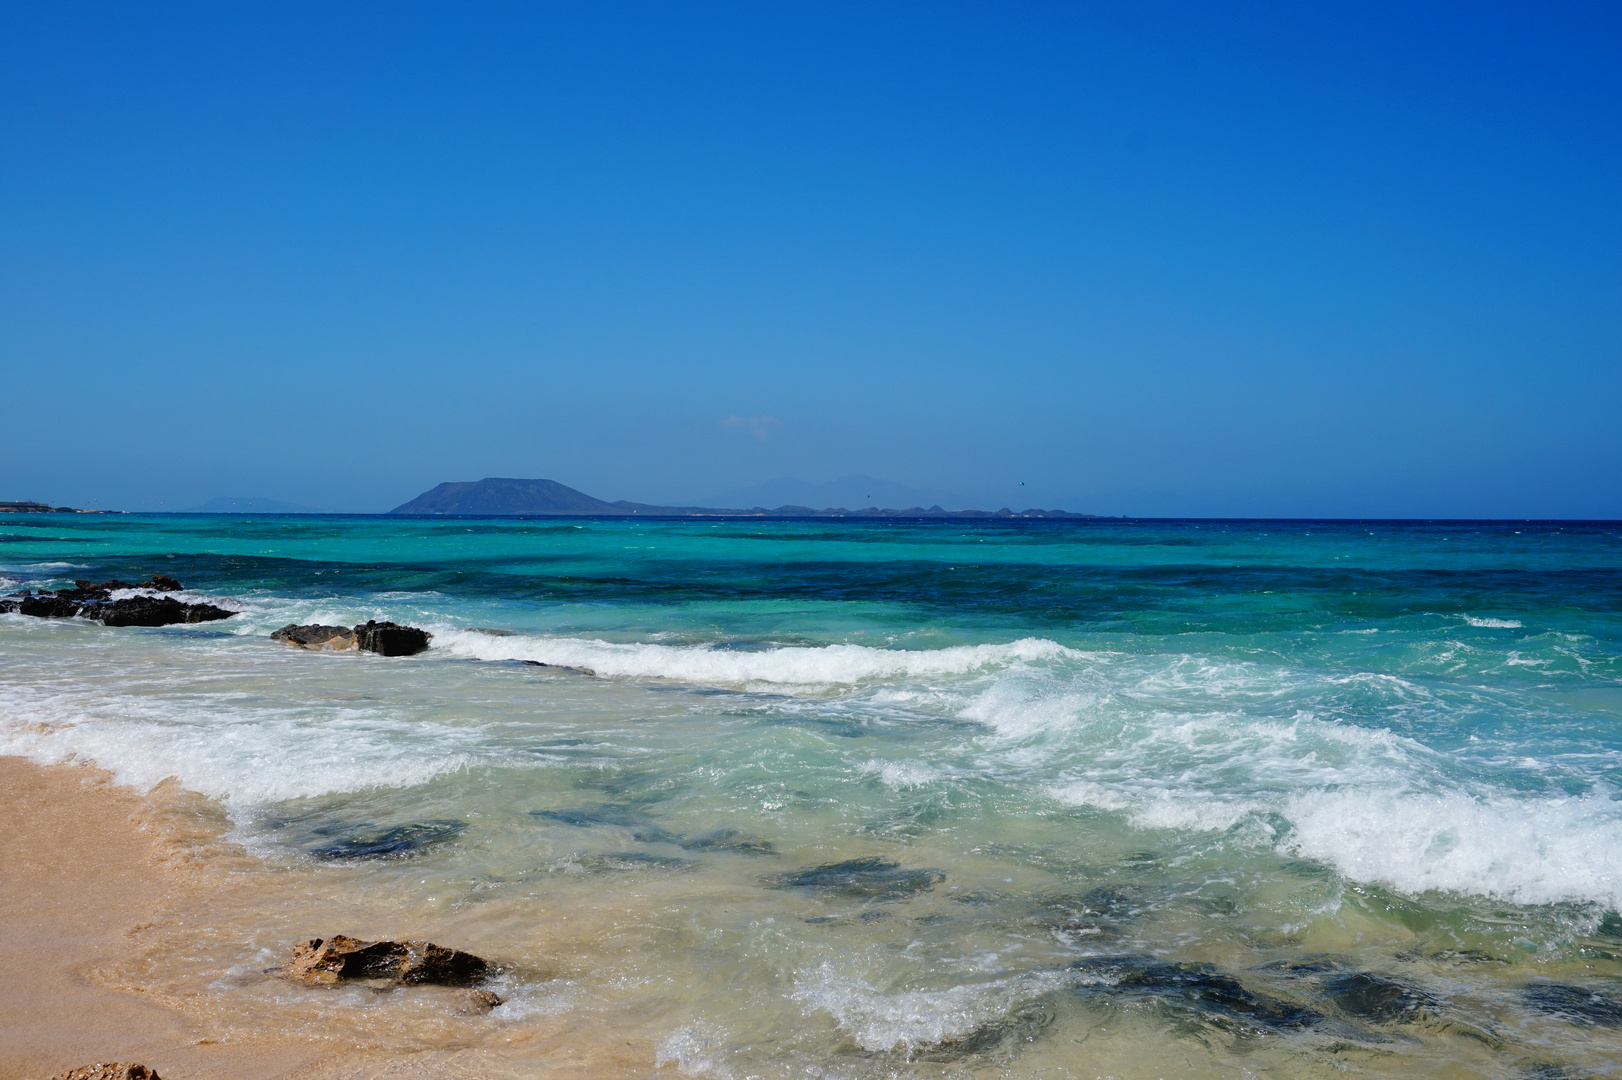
<point x="1346" y="261"/>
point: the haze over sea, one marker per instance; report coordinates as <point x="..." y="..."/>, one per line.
<point x="1365" y="771"/>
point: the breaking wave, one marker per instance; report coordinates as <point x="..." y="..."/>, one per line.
<point x="804" y="666"/>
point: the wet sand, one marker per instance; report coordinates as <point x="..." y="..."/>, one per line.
<point x="112" y="903"/>
<point x="131" y="930"/>
<point x="88" y="867"/>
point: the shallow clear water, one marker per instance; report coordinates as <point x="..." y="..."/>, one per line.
<point x="1229" y="744"/>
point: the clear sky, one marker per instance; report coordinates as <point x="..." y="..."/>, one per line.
<point x="1294" y="259"/>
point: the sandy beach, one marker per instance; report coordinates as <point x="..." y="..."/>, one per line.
<point x="111" y="900"/>
<point x="89" y="867"/>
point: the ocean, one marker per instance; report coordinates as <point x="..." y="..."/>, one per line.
<point x="813" y="798"/>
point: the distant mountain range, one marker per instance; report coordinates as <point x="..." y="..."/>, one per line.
<point x="504" y="497"/>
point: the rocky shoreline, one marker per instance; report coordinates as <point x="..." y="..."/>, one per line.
<point x="148" y="606"/>
<point x="93" y="601"/>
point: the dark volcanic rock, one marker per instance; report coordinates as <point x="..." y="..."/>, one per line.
<point x="390" y="639"/>
<point x="1570" y="1002"/>
<point x="153" y="611"/>
<point x="329" y="961"/>
<point x="316" y="636"/>
<point x="1200" y="990"/>
<point x="395" y="842"/>
<point x="111" y="1070"/>
<point x="873" y="877"/>
<point x="94" y="601"/>
<point x="90" y="590"/>
<point x="43" y="606"/>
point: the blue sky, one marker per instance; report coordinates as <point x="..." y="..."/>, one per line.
<point x="1326" y="260"/>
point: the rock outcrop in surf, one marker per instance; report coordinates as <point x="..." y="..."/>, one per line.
<point x="93" y="601"/>
<point x="383" y="638"/>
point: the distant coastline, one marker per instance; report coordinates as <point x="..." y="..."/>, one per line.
<point x="510" y="497"/>
<point x="27" y="507"/>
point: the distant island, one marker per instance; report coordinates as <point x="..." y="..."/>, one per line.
<point x="505" y="497"/>
<point x="27" y="507"/>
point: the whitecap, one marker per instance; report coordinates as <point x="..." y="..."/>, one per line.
<point x="788" y="666"/>
<point x="1531" y="851"/>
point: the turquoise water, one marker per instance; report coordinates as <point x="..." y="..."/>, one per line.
<point x="1236" y="744"/>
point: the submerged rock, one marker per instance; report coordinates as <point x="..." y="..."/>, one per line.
<point x="1368" y="996"/>
<point x="646" y="831"/>
<point x="481" y="1001"/>
<point x="94" y="601"/>
<point x="111" y="1070"/>
<point x="329" y="961"/>
<point x="1023" y="1024"/>
<point x="1190" y="988"/>
<point x="316" y="636"/>
<point x="390" y="639"/>
<point x="630" y="860"/>
<point x="1576" y="1003"/>
<point x="728" y="840"/>
<point x="873" y="878"/>
<point x="395" y="841"/>
<point x="559" y="667"/>
<point x="1311" y="964"/>
<point x="642" y="829"/>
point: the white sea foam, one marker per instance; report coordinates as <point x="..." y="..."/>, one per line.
<point x="902" y="775"/>
<point x="1528" y="850"/>
<point x="802" y="666"/>
<point x="1495" y="624"/>
<point x="241" y="756"/>
<point x="916" y="1019"/>
<point x="1182" y="743"/>
<point x="185" y="596"/>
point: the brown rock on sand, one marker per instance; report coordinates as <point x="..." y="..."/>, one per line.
<point x="113" y="1070"/>
<point x="328" y="961"/>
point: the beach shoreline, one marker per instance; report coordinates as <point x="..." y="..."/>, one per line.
<point x="119" y="911"/>
<point x="90" y="865"/>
